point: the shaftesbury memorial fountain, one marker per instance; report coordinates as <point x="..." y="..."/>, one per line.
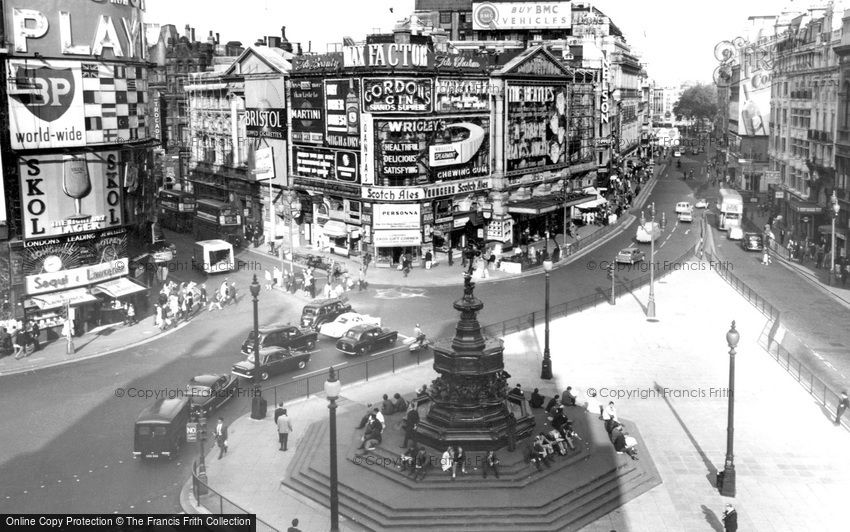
<point x="470" y="404"/>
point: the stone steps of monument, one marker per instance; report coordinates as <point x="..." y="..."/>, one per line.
<point x="577" y="507"/>
<point x="513" y="474"/>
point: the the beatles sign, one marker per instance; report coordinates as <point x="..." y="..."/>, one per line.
<point x="64" y="194"/>
<point x="397" y="95"/>
<point x="111" y="30"/>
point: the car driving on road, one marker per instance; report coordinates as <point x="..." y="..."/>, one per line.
<point x="364" y="339"/>
<point x="346" y="321"/>
<point x="210" y="392"/>
<point x="752" y="242"/>
<point x="273" y="361"/>
<point x="280" y="335"/>
<point x="630" y="255"/>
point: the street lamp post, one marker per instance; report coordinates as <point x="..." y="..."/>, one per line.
<point x="650" y="306"/>
<point x="258" y="404"/>
<point x="727" y="486"/>
<point x="835" y="210"/>
<point x="546" y="371"/>
<point x="332" y="387"/>
<point x="612" y="271"/>
<point x="202" y="467"/>
<point x="294" y="206"/>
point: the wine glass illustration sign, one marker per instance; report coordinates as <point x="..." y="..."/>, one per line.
<point x="76" y="183"/>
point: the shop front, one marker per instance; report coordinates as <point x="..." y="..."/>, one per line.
<point x="338" y="226"/>
<point x="802" y="219"/>
<point x="391" y="245"/>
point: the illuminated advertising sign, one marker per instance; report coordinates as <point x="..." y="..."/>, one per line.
<point x="65" y="194"/>
<point x="67" y="252"/>
<point x="342" y="113"/>
<point x="388" y="55"/>
<point x="396" y="216"/>
<point x="603" y="102"/>
<point x="110" y="30"/>
<point x="326" y="163"/>
<point x="265" y="123"/>
<point x="367" y="152"/>
<point x="317" y="63"/>
<point x="398" y="95"/>
<point x="158" y="118"/>
<point x="754" y="107"/>
<point x="63" y="279"/>
<point x="440" y="149"/>
<point x="461" y="94"/>
<point x="521" y="15"/>
<point x="587" y="24"/>
<point x="56" y="104"/>
<point x="536" y="129"/>
<point x="308" y="113"/>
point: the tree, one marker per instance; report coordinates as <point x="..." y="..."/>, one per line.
<point x="698" y="102"/>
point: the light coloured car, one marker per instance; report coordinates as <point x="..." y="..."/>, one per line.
<point x="701" y="204"/>
<point x="686" y="216"/>
<point x="630" y="255"/>
<point x="736" y="233"/>
<point x="645" y="230"/>
<point x="683" y="206"/>
<point x="344" y="322"/>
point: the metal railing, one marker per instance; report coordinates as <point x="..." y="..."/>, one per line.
<point x="798" y="369"/>
<point x="216" y="503"/>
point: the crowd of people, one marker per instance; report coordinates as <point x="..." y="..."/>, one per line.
<point x="181" y="302"/>
<point x="19" y="339"/>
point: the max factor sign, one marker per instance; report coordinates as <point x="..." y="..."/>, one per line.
<point x="387" y="55"/>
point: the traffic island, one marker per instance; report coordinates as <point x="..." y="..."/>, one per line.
<point x="567" y="494"/>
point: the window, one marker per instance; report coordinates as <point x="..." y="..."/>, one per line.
<point x="465" y="17"/>
<point x="445" y="17"/>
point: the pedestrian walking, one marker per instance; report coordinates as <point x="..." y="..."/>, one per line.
<point x="409" y="422"/>
<point x="284" y="427"/>
<point x="278" y="411"/>
<point x="131" y="314"/>
<point x="157" y="316"/>
<point x="730" y="519"/>
<point x="268" y="276"/>
<point x="367" y="258"/>
<point x="843" y="271"/>
<point x="203" y="291"/>
<point x="843" y="403"/>
<point x="223" y="291"/>
<point x="294" y="527"/>
<point x="216" y="302"/>
<point x="361" y="278"/>
<point x="232" y="293"/>
<point x="765" y="259"/>
<point x="190" y="303"/>
<point x="491" y="463"/>
<point x="35" y="332"/>
<point x="221" y="437"/>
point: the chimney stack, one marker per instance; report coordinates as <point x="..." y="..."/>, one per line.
<point x="283" y="33"/>
<point x="216" y="37"/>
<point x="192" y="37"/>
<point x="260" y="42"/>
<point x="274" y="42"/>
<point x="188" y="32"/>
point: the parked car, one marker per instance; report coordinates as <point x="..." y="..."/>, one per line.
<point x="322" y="311"/>
<point x="630" y="255"/>
<point x="677" y="153"/>
<point x="160" y="429"/>
<point x="343" y="322"/>
<point x="280" y="335"/>
<point x="208" y="393"/>
<point x="683" y="206"/>
<point x="364" y="338"/>
<point x="701" y="203"/>
<point x="645" y="230"/>
<point x="686" y="216"/>
<point x="752" y="242"/>
<point x="736" y="233"/>
<point x="273" y="361"/>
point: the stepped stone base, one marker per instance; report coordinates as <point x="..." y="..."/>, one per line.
<point x="570" y="492"/>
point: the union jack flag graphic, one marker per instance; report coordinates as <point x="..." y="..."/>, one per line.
<point x="89" y="70"/>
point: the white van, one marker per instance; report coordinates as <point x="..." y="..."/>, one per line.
<point x="213" y="256"/>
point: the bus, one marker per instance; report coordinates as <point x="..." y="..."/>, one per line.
<point x="176" y="210"/>
<point x="217" y="219"/>
<point x="731" y="207"/>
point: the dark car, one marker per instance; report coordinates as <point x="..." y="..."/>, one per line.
<point x="364" y="338"/>
<point x="209" y="392"/>
<point x="280" y="335"/>
<point x="273" y="361"/>
<point x="322" y="311"/>
<point x="160" y="429"/>
<point x="752" y="242"/>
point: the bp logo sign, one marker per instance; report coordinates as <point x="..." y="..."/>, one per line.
<point x="46" y="92"/>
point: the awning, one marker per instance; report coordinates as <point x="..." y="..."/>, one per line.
<point x="118" y="288"/>
<point x="595" y="202"/>
<point x="74" y="296"/>
<point x="534" y="206"/>
<point x="335" y="229"/>
<point x="827" y="230"/>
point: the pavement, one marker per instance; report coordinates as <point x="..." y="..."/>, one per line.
<point x="112" y="338"/>
<point x="790" y="476"/>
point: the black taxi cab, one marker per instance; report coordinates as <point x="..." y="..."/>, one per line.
<point x="321" y="311"/>
<point x="160" y="429"/>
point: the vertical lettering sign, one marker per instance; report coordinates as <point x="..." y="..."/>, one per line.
<point x="536" y="130"/>
<point x="158" y="118"/>
<point x="70" y="194"/>
<point x="307" y="112"/>
<point x="3" y="219"/>
<point x="461" y="94"/>
<point x="432" y="149"/>
<point x="397" y="95"/>
<point x="603" y="102"/>
<point x="367" y="149"/>
<point x="342" y="120"/>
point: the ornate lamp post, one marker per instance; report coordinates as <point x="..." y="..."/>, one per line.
<point x="546" y="371"/>
<point x="258" y="404"/>
<point x="727" y="487"/>
<point x="294" y="207"/>
<point x="650" y="306"/>
<point x="332" y="387"/>
<point x="202" y="467"/>
<point x="835" y="210"/>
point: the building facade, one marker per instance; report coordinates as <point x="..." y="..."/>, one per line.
<point x="77" y="149"/>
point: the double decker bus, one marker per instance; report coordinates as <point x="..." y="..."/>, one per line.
<point x="176" y="210"/>
<point x="217" y="220"/>
<point x="731" y="207"/>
